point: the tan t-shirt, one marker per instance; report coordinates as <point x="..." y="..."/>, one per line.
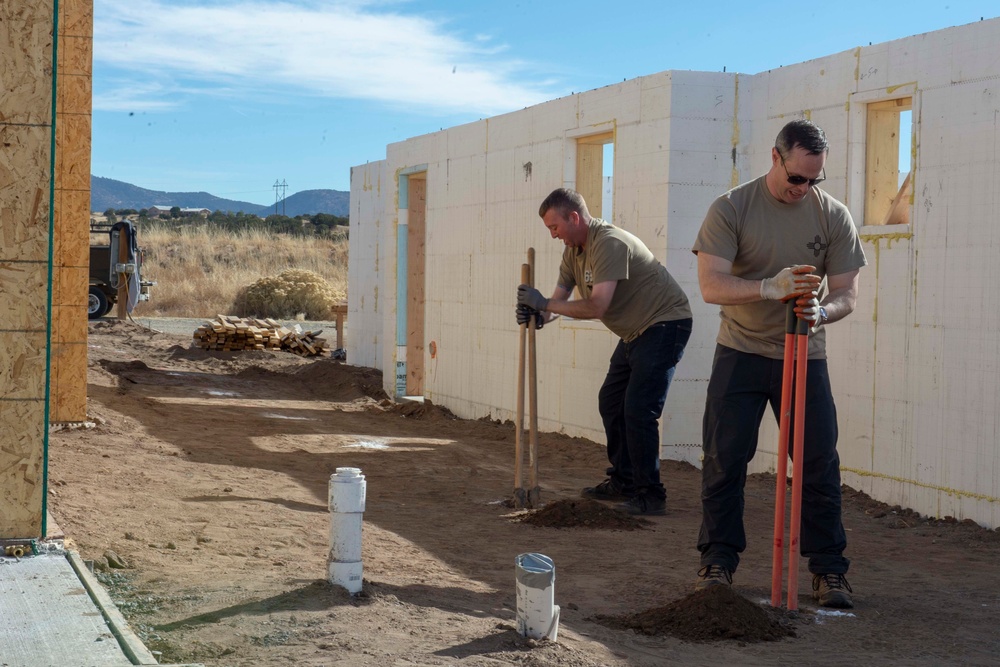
<point x="761" y="236"/>
<point x="645" y="294"/>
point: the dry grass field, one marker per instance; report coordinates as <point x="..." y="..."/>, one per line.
<point x="200" y="270"/>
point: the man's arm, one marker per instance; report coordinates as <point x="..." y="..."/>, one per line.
<point x="721" y="287"/>
<point x="592" y="308"/>
<point x="843" y="296"/>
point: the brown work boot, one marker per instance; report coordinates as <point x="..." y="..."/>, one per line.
<point x="713" y="575"/>
<point x="832" y="590"/>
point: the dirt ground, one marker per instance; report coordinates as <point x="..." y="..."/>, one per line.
<point x="207" y="476"/>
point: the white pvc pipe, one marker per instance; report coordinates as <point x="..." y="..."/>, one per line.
<point x="537" y="613"/>
<point x="347" y="504"/>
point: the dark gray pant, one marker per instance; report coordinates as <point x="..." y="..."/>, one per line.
<point x="739" y="390"/>
<point x="631" y="401"/>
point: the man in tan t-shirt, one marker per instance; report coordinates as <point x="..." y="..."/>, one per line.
<point x="622" y="284"/>
<point x="762" y="243"/>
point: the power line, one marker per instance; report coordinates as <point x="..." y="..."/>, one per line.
<point x="283" y="186"/>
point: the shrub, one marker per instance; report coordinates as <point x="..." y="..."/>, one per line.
<point x="291" y="293"/>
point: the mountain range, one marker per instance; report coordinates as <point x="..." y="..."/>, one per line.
<point x="108" y="193"/>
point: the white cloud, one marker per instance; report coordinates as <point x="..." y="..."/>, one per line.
<point x="357" y="50"/>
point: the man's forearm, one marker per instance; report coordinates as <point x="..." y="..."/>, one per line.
<point x="839" y="305"/>
<point x="728" y="290"/>
<point x="579" y="309"/>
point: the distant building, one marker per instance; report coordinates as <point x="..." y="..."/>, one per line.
<point x="154" y="211"/>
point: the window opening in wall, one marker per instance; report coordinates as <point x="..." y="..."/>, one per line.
<point x="595" y="160"/>
<point x="888" y="167"/>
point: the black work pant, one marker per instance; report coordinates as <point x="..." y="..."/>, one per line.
<point x="738" y="392"/>
<point x="631" y="401"/>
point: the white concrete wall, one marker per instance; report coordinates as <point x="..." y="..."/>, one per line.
<point x="367" y="324"/>
<point x="914" y="369"/>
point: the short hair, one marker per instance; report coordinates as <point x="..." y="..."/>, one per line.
<point x="804" y="133"/>
<point x="565" y="201"/>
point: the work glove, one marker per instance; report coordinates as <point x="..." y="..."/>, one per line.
<point x="529" y="316"/>
<point x="807" y="308"/>
<point x="789" y="282"/>
<point x="532" y="298"/>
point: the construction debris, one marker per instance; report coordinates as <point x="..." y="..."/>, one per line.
<point x="232" y="333"/>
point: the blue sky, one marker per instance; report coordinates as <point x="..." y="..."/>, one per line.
<point x="232" y="96"/>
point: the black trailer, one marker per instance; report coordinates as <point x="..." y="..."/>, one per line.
<point x="114" y="266"/>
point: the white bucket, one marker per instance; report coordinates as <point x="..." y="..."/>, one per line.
<point x="537" y="615"/>
<point x="347" y="503"/>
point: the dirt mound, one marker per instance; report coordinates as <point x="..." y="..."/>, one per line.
<point x="711" y="614"/>
<point x="583" y="513"/>
<point x="422" y="410"/>
<point x="337" y="377"/>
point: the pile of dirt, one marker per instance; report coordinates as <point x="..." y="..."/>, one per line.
<point x="712" y="614"/>
<point x="337" y="378"/>
<point x="425" y="410"/>
<point x="583" y="513"/>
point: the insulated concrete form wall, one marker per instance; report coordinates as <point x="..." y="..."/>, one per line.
<point x="484" y="182"/>
<point x="71" y="259"/>
<point x="914" y="369"/>
<point x="26" y="132"/>
<point x="367" y="324"/>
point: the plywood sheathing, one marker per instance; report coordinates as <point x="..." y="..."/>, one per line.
<point x="26" y="70"/>
<point x="71" y="254"/>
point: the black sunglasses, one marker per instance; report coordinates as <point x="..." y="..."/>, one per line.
<point x="802" y="180"/>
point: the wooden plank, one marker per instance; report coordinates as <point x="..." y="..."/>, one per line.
<point x="416" y="258"/>
<point x="899" y="210"/>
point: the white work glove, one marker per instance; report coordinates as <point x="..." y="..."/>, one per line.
<point x="807" y="308"/>
<point x="789" y="282"/>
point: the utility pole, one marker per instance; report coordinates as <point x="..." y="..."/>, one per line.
<point x="282" y="186"/>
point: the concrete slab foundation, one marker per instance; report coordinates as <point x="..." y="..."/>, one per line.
<point x="54" y="613"/>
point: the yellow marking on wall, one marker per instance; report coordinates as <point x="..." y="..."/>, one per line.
<point x="735" y="178"/>
<point x="875" y="238"/>
<point x="933" y="487"/>
<point x="891" y="89"/>
<point x="857" y="64"/>
<point x="807" y="113"/>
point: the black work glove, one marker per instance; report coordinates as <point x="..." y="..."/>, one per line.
<point x="525" y="315"/>
<point x="532" y="298"/>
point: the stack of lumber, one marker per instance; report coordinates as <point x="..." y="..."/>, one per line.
<point x="231" y="333"/>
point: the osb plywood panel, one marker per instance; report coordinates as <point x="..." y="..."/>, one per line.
<point x="74" y="93"/>
<point x="26" y="70"/>
<point x="69" y="288"/>
<point x="23" y="426"/>
<point x="67" y="402"/>
<point x="22" y="365"/>
<point x="76" y="18"/>
<point x="73" y="152"/>
<point x="24" y="191"/>
<point x="26" y="61"/>
<point x="23" y="278"/>
<point x="75" y="55"/>
<point x="72" y="234"/>
<point x="71" y="255"/>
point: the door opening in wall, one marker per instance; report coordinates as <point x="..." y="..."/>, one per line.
<point x="415" y="300"/>
<point x="888" y="162"/>
<point x="595" y="161"/>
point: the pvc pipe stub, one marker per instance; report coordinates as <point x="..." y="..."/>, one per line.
<point x="347" y="491"/>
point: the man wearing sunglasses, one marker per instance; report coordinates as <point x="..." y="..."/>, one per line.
<point x="775" y="238"/>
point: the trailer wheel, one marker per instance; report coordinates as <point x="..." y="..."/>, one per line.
<point x="97" y="303"/>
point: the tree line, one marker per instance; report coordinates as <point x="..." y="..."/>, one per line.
<point x="319" y="224"/>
